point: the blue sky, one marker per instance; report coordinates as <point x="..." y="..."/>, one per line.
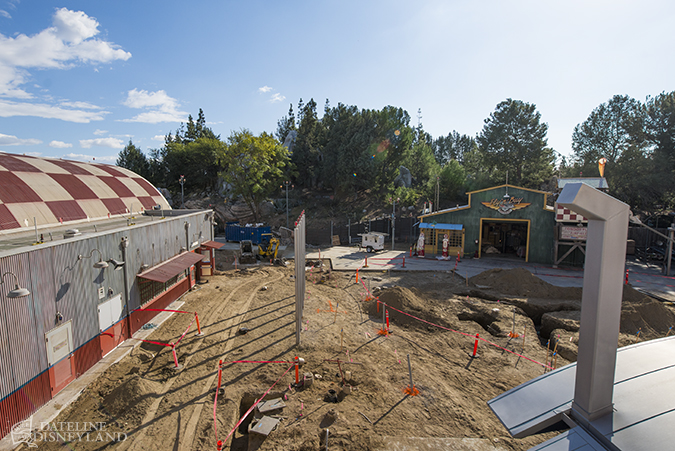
<point x="78" y="79"/>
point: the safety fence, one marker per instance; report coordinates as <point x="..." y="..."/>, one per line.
<point x="172" y="345"/>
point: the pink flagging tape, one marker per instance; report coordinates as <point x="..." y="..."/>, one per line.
<point x="257" y="361"/>
<point x="152" y="342"/>
<point x="467" y="335"/>
<point x="241" y="420"/>
<point x="186" y="330"/>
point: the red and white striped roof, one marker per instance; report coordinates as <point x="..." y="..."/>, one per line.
<point x="57" y="191"/>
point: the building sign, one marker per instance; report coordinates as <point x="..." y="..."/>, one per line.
<point x="573" y="233"/>
<point x="506" y="205"/>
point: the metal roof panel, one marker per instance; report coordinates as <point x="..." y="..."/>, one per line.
<point x="171" y="268"/>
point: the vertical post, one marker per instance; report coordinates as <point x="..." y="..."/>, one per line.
<point x="331" y="233"/>
<point x="199" y="329"/>
<point x="671" y="229"/>
<point x="475" y="347"/>
<point x="299" y="238"/>
<point x="297" y="371"/>
<point x="349" y="229"/>
<point x="175" y="358"/>
<point x="286" y="203"/>
<point x="412" y="387"/>
<point x="393" y="225"/>
<point x="384" y="310"/>
<point x="601" y="298"/>
<point x="387" y="315"/>
<point x="181" y="180"/>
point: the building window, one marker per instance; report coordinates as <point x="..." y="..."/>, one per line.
<point x="150" y="289"/>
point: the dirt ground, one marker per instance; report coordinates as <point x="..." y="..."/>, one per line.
<point x="152" y="406"/>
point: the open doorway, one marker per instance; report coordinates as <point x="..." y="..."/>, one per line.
<point x="505" y="238"/>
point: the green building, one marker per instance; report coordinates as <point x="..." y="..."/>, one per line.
<point x="503" y="220"/>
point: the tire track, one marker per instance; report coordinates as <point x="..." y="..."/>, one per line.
<point x="142" y="441"/>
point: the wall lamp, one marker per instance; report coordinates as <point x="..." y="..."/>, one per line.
<point x="17" y="292"/>
<point x="100" y="264"/>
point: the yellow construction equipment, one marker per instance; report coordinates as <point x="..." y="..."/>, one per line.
<point x="268" y="248"/>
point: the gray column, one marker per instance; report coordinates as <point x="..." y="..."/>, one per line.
<point x="601" y="299"/>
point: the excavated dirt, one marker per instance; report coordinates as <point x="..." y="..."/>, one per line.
<point x="248" y="315"/>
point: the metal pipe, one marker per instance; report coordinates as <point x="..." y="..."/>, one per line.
<point x="124" y="244"/>
<point x="412" y="387"/>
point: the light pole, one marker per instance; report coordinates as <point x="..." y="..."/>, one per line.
<point x="393" y="222"/>
<point x="181" y="180"/>
<point x="286" y="183"/>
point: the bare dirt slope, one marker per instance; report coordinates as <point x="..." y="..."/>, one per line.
<point x="155" y="407"/>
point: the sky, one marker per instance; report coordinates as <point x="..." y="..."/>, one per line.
<point x="79" y="79"/>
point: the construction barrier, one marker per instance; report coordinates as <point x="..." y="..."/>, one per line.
<point x="241" y="420"/>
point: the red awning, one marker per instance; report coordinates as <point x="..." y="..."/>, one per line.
<point x="213" y="244"/>
<point x="171" y="268"/>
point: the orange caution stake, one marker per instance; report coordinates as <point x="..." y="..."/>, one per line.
<point x="387" y="314"/>
<point x="199" y="329"/>
<point x="411" y="390"/>
<point x="175" y="358"/>
<point x="365" y="265"/>
<point x="297" y="371"/>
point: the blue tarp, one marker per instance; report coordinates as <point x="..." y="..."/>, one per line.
<point x="429" y="225"/>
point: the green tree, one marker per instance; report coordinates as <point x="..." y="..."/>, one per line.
<point x="285" y="125"/>
<point x="453" y="147"/>
<point x="254" y="166"/>
<point x="513" y="139"/>
<point x="347" y="163"/>
<point x="133" y="159"/>
<point x="307" y="152"/>
<point x="615" y="130"/>
<point x="452" y="179"/>
<point x="661" y="135"/>
<point x="610" y="130"/>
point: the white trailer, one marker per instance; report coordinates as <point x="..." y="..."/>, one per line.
<point x="372" y="241"/>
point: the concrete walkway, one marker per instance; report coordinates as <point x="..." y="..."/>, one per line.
<point x="343" y="258"/>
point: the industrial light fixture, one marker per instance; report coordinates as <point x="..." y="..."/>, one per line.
<point x="100" y="264"/>
<point x="17" y="292"/>
<point x="117" y="264"/>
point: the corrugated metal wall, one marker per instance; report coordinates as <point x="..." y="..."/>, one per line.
<point x="60" y="282"/>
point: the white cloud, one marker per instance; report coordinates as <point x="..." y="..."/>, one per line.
<point x="5" y="14"/>
<point x="9" y="108"/>
<point x="11" y="140"/>
<point x="161" y="107"/>
<point x="90" y="158"/>
<point x="114" y="143"/>
<point x="277" y="98"/>
<point x="158" y="138"/>
<point x="69" y="40"/>
<point x="81" y="105"/>
<point x="60" y="145"/>
<point x="99" y="132"/>
<point x="264" y="89"/>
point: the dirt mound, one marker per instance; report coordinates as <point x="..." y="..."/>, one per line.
<point x="403" y="299"/>
<point x="131" y="398"/>
<point x="521" y="282"/>
<point x="647" y="315"/>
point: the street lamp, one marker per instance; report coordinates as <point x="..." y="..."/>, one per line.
<point x="287" y="182"/>
<point x="17" y="292"/>
<point x="393" y="222"/>
<point x="181" y="180"/>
